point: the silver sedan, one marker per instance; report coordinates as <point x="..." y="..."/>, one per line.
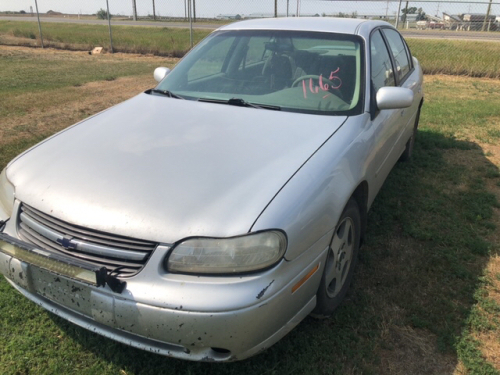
<point x="205" y="218"/>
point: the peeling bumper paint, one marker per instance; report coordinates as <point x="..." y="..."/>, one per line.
<point x="137" y="319"/>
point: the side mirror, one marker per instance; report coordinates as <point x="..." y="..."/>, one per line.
<point x="161" y="73"/>
<point x="394" y="98"/>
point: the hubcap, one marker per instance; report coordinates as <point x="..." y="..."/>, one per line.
<point x="339" y="258"/>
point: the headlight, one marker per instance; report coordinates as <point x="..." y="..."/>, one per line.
<point x="246" y="253"/>
<point x="6" y="197"/>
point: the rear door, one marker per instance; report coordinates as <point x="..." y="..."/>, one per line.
<point x="386" y="124"/>
<point x="407" y="77"/>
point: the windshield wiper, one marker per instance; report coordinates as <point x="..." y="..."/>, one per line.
<point x="168" y="93"/>
<point x="240" y="103"/>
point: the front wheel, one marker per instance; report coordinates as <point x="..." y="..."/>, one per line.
<point x="340" y="262"/>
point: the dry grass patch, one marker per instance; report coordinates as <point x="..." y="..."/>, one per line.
<point x="492" y="152"/>
<point x="444" y="234"/>
<point x="460" y="82"/>
<point x="468" y="109"/>
<point x="46" y="90"/>
<point x="415" y="352"/>
<point x="490" y="310"/>
<point x="56" y="54"/>
<point x="490" y="348"/>
<point x="68" y="106"/>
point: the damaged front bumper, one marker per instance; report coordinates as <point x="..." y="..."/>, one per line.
<point x="187" y="317"/>
<point x="59" y="263"/>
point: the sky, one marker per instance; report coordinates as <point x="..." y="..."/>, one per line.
<point x="213" y="8"/>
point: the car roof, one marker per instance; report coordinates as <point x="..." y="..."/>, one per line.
<point x="320" y="24"/>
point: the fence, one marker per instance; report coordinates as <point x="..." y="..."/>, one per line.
<point x="420" y="18"/>
<point x="230" y="9"/>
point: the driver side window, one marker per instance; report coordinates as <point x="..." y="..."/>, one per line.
<point x="381" y="66"/>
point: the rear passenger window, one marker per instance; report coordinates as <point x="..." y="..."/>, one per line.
<point x="399" y="52"/>
<point x="382" y="73"/>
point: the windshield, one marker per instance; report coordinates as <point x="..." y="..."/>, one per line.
<point x="297" y="71"/>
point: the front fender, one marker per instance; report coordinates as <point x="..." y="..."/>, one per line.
<point x="310" y="204"/>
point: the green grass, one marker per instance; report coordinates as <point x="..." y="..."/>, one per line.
<point x="156" y="40"/>
<point x="483" y="318"/>
<point x="17" y="72"/>
<point x="468" y="58"/>
<point x="17" y="75"/>
<point x="419" y="296"/>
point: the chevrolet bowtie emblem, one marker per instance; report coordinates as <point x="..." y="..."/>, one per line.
<point x="67" y="242"/>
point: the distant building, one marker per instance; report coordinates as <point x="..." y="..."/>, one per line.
<point x="260" y="15"/>
<point x="451" y="17"/>
<point x="452" y="21"/>
<point x="477" y="17"/>
<point x="475" y="21"/>
<point x="229" y="17"/>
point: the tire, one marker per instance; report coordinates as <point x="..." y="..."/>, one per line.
<point x="408" y="152"/>
<point x="340" y="262"/>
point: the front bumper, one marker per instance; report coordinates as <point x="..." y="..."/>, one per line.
<point x="150" y="314"/>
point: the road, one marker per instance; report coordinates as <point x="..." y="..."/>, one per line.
<point x="412" y="33"/>
<point x="448" y="34"/>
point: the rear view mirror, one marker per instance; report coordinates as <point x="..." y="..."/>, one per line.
<point x="161" y="73"/>
<point x="394" y="98"/>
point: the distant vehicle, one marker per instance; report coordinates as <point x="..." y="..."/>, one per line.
<point x="436" y="25"/>
<point x="422" y="25"/>
<point x="205" y="218"/>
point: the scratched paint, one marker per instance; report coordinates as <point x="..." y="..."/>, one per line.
<point x="263" y="291"/>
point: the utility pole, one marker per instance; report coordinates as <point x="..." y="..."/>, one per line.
<point x="39" y="25"/>
<point x="190" y="24"/>
<point x="397" y="15"/>
<point x="194" y="12"/>
<point x="486" y="18"/>
<point x="405" y="16"/>
<point x="109" y="27"/>
<point x="275" y="8"/>
<point x="287" y="6"/>
<point x="154" y="13"/>
<point x="134" y="10"/>
<point x="298" y="8"/>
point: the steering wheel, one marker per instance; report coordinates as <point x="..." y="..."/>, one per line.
<point x="324" y="81"/>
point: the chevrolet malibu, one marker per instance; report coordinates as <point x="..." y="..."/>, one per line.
<point x="205" y="218"/>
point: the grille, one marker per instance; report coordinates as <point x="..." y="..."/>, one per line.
<point x="125" y="255"/>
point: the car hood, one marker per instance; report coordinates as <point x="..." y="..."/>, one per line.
<point x="163" y="169"/>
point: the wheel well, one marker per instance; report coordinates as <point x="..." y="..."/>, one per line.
<point x="360" y="195"/>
